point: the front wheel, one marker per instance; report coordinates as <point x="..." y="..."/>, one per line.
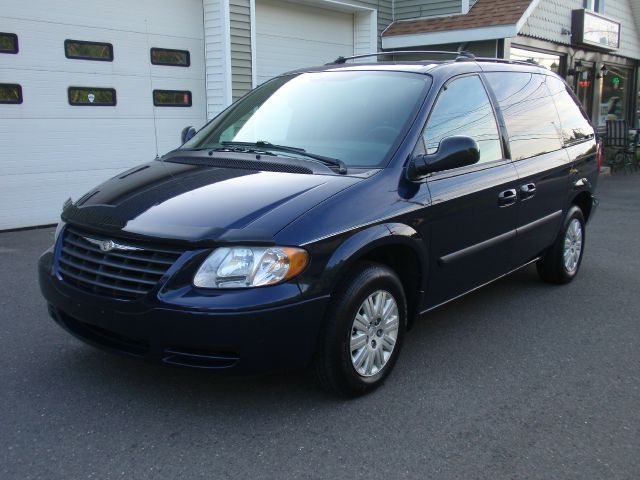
<point x="363" y="331"/>
<point x="560" y="264"/>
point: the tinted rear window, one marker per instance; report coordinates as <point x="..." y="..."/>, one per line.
<point x="575" y="125"/>
<point x="529" y="113"/>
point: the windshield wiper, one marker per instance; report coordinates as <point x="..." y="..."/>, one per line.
<point x="342" y="167"/>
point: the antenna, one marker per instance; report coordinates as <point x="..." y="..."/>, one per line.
<point x="153" y="110"/>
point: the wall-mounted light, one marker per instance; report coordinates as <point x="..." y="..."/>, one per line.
<point x="577" y="68"/>
<point x="603" y="71"/>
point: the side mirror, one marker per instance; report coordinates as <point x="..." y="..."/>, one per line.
<point x="187" y="134"/>
<point x="453" y="152"/>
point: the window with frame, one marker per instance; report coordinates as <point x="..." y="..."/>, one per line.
<point x="8" y="43"/>
<point x="170" y="57"/>
<point x="10" y="93"/>
<point x="463" y="108"/>
<point x="575" y="124"/>
<point x="530" y="115"/>
<point x="549" y="60"/>
<point x="83" y="50"/>
<point x="594" y="5"/>
<point x="172" y="98"/>
<point x="90" y="96"/>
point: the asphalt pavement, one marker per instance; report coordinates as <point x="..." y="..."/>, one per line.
<point x="517" y="380"/>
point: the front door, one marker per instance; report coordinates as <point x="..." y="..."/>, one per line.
<point x="470" y="225"/>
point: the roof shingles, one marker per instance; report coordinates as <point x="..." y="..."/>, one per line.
<point x="485" y="13"/>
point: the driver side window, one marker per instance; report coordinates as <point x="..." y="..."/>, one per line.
<point x="463" y="108"/>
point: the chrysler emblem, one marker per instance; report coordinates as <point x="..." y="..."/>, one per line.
<point x="109" y="245"/>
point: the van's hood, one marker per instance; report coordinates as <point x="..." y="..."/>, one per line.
<point x="197" y="203"/>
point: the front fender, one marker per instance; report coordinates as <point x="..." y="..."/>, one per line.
<point x="332" y="258"/>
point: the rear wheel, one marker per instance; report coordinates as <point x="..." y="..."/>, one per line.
<point x="560" y="264"/>
<point x="363" y="331"/>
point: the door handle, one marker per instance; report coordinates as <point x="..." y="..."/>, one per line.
<point x="507" y="198"/>
<point x="527" y="191"/>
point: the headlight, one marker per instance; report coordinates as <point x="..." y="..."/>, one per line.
<point x="244" y="267"/>
<point x="59" y="228"/>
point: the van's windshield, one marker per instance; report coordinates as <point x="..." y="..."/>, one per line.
<point x="358" y="117"/>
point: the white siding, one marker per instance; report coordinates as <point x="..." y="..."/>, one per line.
<point x="217" y="55"/>
<point x="51" y="150"/>
<point x="240" y="24"/>
<point x="365" y="33"/>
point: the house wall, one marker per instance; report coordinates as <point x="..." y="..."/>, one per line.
<point x="228" y="43"/>
<point x="385" y="12"/>
<point x="486" y="48"/>
<point x="405" y="9"/>
<point x="552" y="16"/>
<point x="240" y="36"/>
<point x="217" y="55"/>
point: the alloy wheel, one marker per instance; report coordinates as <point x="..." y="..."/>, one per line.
<point x="374" y="333"/>
<point x="572" y="246"/>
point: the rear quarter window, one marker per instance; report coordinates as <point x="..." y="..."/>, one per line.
<point x="575" y="124"/>
<point x="529" y="113"/>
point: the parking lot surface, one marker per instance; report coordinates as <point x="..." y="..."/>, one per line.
<point x="517" y="380"/>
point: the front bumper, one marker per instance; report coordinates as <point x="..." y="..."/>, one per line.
<point x="276" y="338"/>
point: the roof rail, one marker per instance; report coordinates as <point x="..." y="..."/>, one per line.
<point x="507" y="60"/>
<point x="462" y="55"/>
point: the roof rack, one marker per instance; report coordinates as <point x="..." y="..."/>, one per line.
<point x="507" y="60"/>
<point x="462" y="55"/>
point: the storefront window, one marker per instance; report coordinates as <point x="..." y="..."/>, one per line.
<point x="584" y="81"/>
<point x="615" y="95"/>
<point x="552" y="62"/>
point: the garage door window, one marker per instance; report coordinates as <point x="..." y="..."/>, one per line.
<point x="10" y="93"/>
<point x="81" y="50"/>
<point x="166" y="56"/>
<point x="172" y="98"/>
<point x="89" y="96"/>
<point x="8" y="43"/>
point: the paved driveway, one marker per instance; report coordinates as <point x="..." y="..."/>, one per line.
<point x="518" y="380"/>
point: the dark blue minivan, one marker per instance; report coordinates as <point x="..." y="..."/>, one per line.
<point x="316" y="218"/>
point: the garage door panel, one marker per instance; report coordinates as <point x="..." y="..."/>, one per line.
<point x="290" y="36"/>
<point x="54" y="149"/>
<point x="295" y="21"/>
<point x="42" y="48"/>
<point x="282" y="59"/>
<point x="39" y="198"/>
<point x="66" y="145"/>
<point x="153" y="16"/>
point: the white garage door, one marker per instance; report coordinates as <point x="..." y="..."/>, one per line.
<point x="290" y="36"/>
<point x="51" y="150"/>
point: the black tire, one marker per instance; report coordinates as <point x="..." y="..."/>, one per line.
<point x="333" y="364"/>
<point x="551" y="267"/>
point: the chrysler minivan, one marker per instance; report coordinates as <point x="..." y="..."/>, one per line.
<point x="315" y="219"/>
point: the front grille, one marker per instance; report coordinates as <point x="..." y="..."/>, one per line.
<point x="118" y="273"/>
